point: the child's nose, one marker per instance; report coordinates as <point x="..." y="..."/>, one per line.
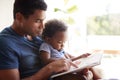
<point x="62" y="45"/>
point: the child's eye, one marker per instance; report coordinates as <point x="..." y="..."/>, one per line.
<point x="59" y="42"/>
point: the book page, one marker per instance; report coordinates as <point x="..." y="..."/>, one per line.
<point x="90" y="61"/>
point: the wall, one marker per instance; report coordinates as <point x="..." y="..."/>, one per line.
<point x="6" y="13"/>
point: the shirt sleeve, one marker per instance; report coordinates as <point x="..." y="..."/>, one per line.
<point x="45" y="47"/>
<point x="8" y="58"/>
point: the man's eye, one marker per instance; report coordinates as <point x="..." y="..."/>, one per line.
<point x="38" y="21"/>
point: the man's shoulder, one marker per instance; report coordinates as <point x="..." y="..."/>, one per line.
<point x="5" y="41"/>
<point x="7" y="35"/>
<point x="6" y="38"/>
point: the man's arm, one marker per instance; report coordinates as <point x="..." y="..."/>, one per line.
<point x="13" y="74"/>
<point x="54" y="67"/>
<point x="43" y="74"/>
<point x="9" y="74"/>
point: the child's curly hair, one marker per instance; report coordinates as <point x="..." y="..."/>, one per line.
<point x="53" y="26"/>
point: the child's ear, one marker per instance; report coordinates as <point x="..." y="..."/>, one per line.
<point x="47" y="38"/>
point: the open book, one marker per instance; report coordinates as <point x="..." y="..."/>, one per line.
<point x="90" y="61"/>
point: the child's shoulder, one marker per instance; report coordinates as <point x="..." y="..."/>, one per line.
<point x="44" y="44"/>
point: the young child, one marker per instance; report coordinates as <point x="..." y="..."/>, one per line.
<point x="54" y="36"/>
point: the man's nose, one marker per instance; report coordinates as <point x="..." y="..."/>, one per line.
<point x="41" y="26"/>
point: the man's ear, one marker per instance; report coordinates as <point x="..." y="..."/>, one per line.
<point x="19" y="17"/>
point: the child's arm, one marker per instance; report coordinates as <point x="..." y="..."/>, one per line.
<point x="68" y="56"/>
<point x="73" y="58"/>
<point x="81" y="56"/>
<point x="46" y="58"/>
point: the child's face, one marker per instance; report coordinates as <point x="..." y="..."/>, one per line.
<point x="58" y="40"/>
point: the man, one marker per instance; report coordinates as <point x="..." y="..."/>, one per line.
<point x="18" y="55"/>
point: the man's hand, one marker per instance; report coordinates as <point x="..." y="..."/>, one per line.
<point x="62" y="65"/>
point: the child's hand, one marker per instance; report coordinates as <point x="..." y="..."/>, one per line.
<point x="84" y="55"/>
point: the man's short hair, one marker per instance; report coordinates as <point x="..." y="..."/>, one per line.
<point x="27" y="7"/>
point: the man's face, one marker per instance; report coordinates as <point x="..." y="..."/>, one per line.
<point x="33" y="25"/>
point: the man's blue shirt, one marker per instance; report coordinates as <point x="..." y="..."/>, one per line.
<point x="16" y="52"/>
